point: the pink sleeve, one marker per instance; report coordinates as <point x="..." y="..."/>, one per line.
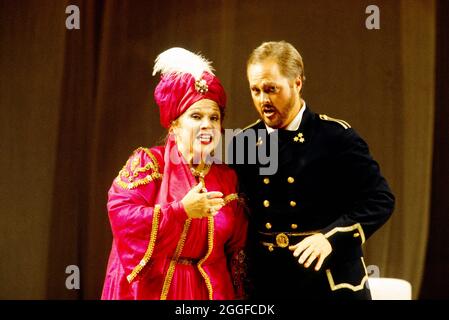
<point x="134" y="216"/>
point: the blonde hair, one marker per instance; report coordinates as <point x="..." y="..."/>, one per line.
<point x="286" y="56"/>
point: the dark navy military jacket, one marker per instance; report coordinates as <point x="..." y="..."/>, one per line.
<point x="326" y="181"/>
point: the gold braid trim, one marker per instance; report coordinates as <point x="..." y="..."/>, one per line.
<point x="247" y="127"/>
<point x="347" y="285"/>
<point x="136" y="171"/>
<point x="348" y="229"/>
<point x="174" y="261"/>
<point x="250" y="125"/>
<point x="153" y="158"/>
<point x="230" y="197"/>
<point x="132" y="185"/>
<point x="149" y="252"/>
<point x="132" y="174"/>
<point x="210" y="242"/>
<point x="343" y="123"/>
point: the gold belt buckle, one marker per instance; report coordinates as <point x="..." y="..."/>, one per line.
<point x="282" y="240"/>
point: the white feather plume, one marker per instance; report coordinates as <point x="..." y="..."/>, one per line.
<point x="179" y="60"/>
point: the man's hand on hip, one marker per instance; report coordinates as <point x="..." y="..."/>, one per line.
<point x="311" y="248"/>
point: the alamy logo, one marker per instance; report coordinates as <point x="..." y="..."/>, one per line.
<point x="73" y="20"/>
<point x="237" y="147"/>
<point x="250" y="149"/>
<point x="373" y="20"/>
<point x="72" y="282"/>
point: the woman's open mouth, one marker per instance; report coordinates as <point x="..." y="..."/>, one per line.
<point x="205" y="138"/>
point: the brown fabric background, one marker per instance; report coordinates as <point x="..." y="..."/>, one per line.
<point x="435" y="279"/>
<point x="75" y="103"/>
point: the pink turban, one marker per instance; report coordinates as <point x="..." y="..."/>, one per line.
<point x="186" y="78"/>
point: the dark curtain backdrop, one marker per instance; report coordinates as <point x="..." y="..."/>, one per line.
<point x="436" y="280"/>
<point x="75" y="103"/>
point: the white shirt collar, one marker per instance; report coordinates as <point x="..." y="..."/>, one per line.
<point x="296" y="122"/>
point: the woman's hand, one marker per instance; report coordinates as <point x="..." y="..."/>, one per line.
<point x="199" y="204"/>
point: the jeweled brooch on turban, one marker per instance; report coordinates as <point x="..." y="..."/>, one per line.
<point x="201" y="86"/>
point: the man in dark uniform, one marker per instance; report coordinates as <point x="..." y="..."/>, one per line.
<point x="309" y="219"/>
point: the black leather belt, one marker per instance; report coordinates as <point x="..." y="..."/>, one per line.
<point x="281" y="240"/>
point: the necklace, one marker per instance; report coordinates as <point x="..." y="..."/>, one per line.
<point x="200" y="172"/>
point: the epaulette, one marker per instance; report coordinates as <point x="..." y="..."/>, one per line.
<point x="249" y="126"/>
<point x="343" y="123"/>
<point x="137" y="171"/>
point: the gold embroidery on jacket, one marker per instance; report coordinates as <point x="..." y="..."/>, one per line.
<point x="153" y="158"/>
<point x="248" y="126"/>
<point x="343" y="123"/>
<point x="347" y="285"/>
<point x="348" y="229"/>
<point x="174" y="261"/>
<point x="210" y="242"/>
<point x="230" y="197"/>
<point x="128" y="179"/>
<point x="149" y="251"/>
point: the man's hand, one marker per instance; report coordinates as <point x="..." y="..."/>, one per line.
<point x="198" y="204"/>
<point x="311" y="248"/>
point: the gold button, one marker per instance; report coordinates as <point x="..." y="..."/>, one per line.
<point x="266" y="203"/>
<point x="294" y="226"/>
<point x="266" y="181"/>
<point x="282" y="240"/>
<point x="290" y="179"/>
<point x="292" y="204"/>
<point x="270" y="248"/>
<point x="356" y="235"/>
<point x="268" y="225"/>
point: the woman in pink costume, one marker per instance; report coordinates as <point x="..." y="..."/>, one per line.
<point x="178" y="227"/>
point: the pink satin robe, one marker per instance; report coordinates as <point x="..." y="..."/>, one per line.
<point x="153" y="237"/>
